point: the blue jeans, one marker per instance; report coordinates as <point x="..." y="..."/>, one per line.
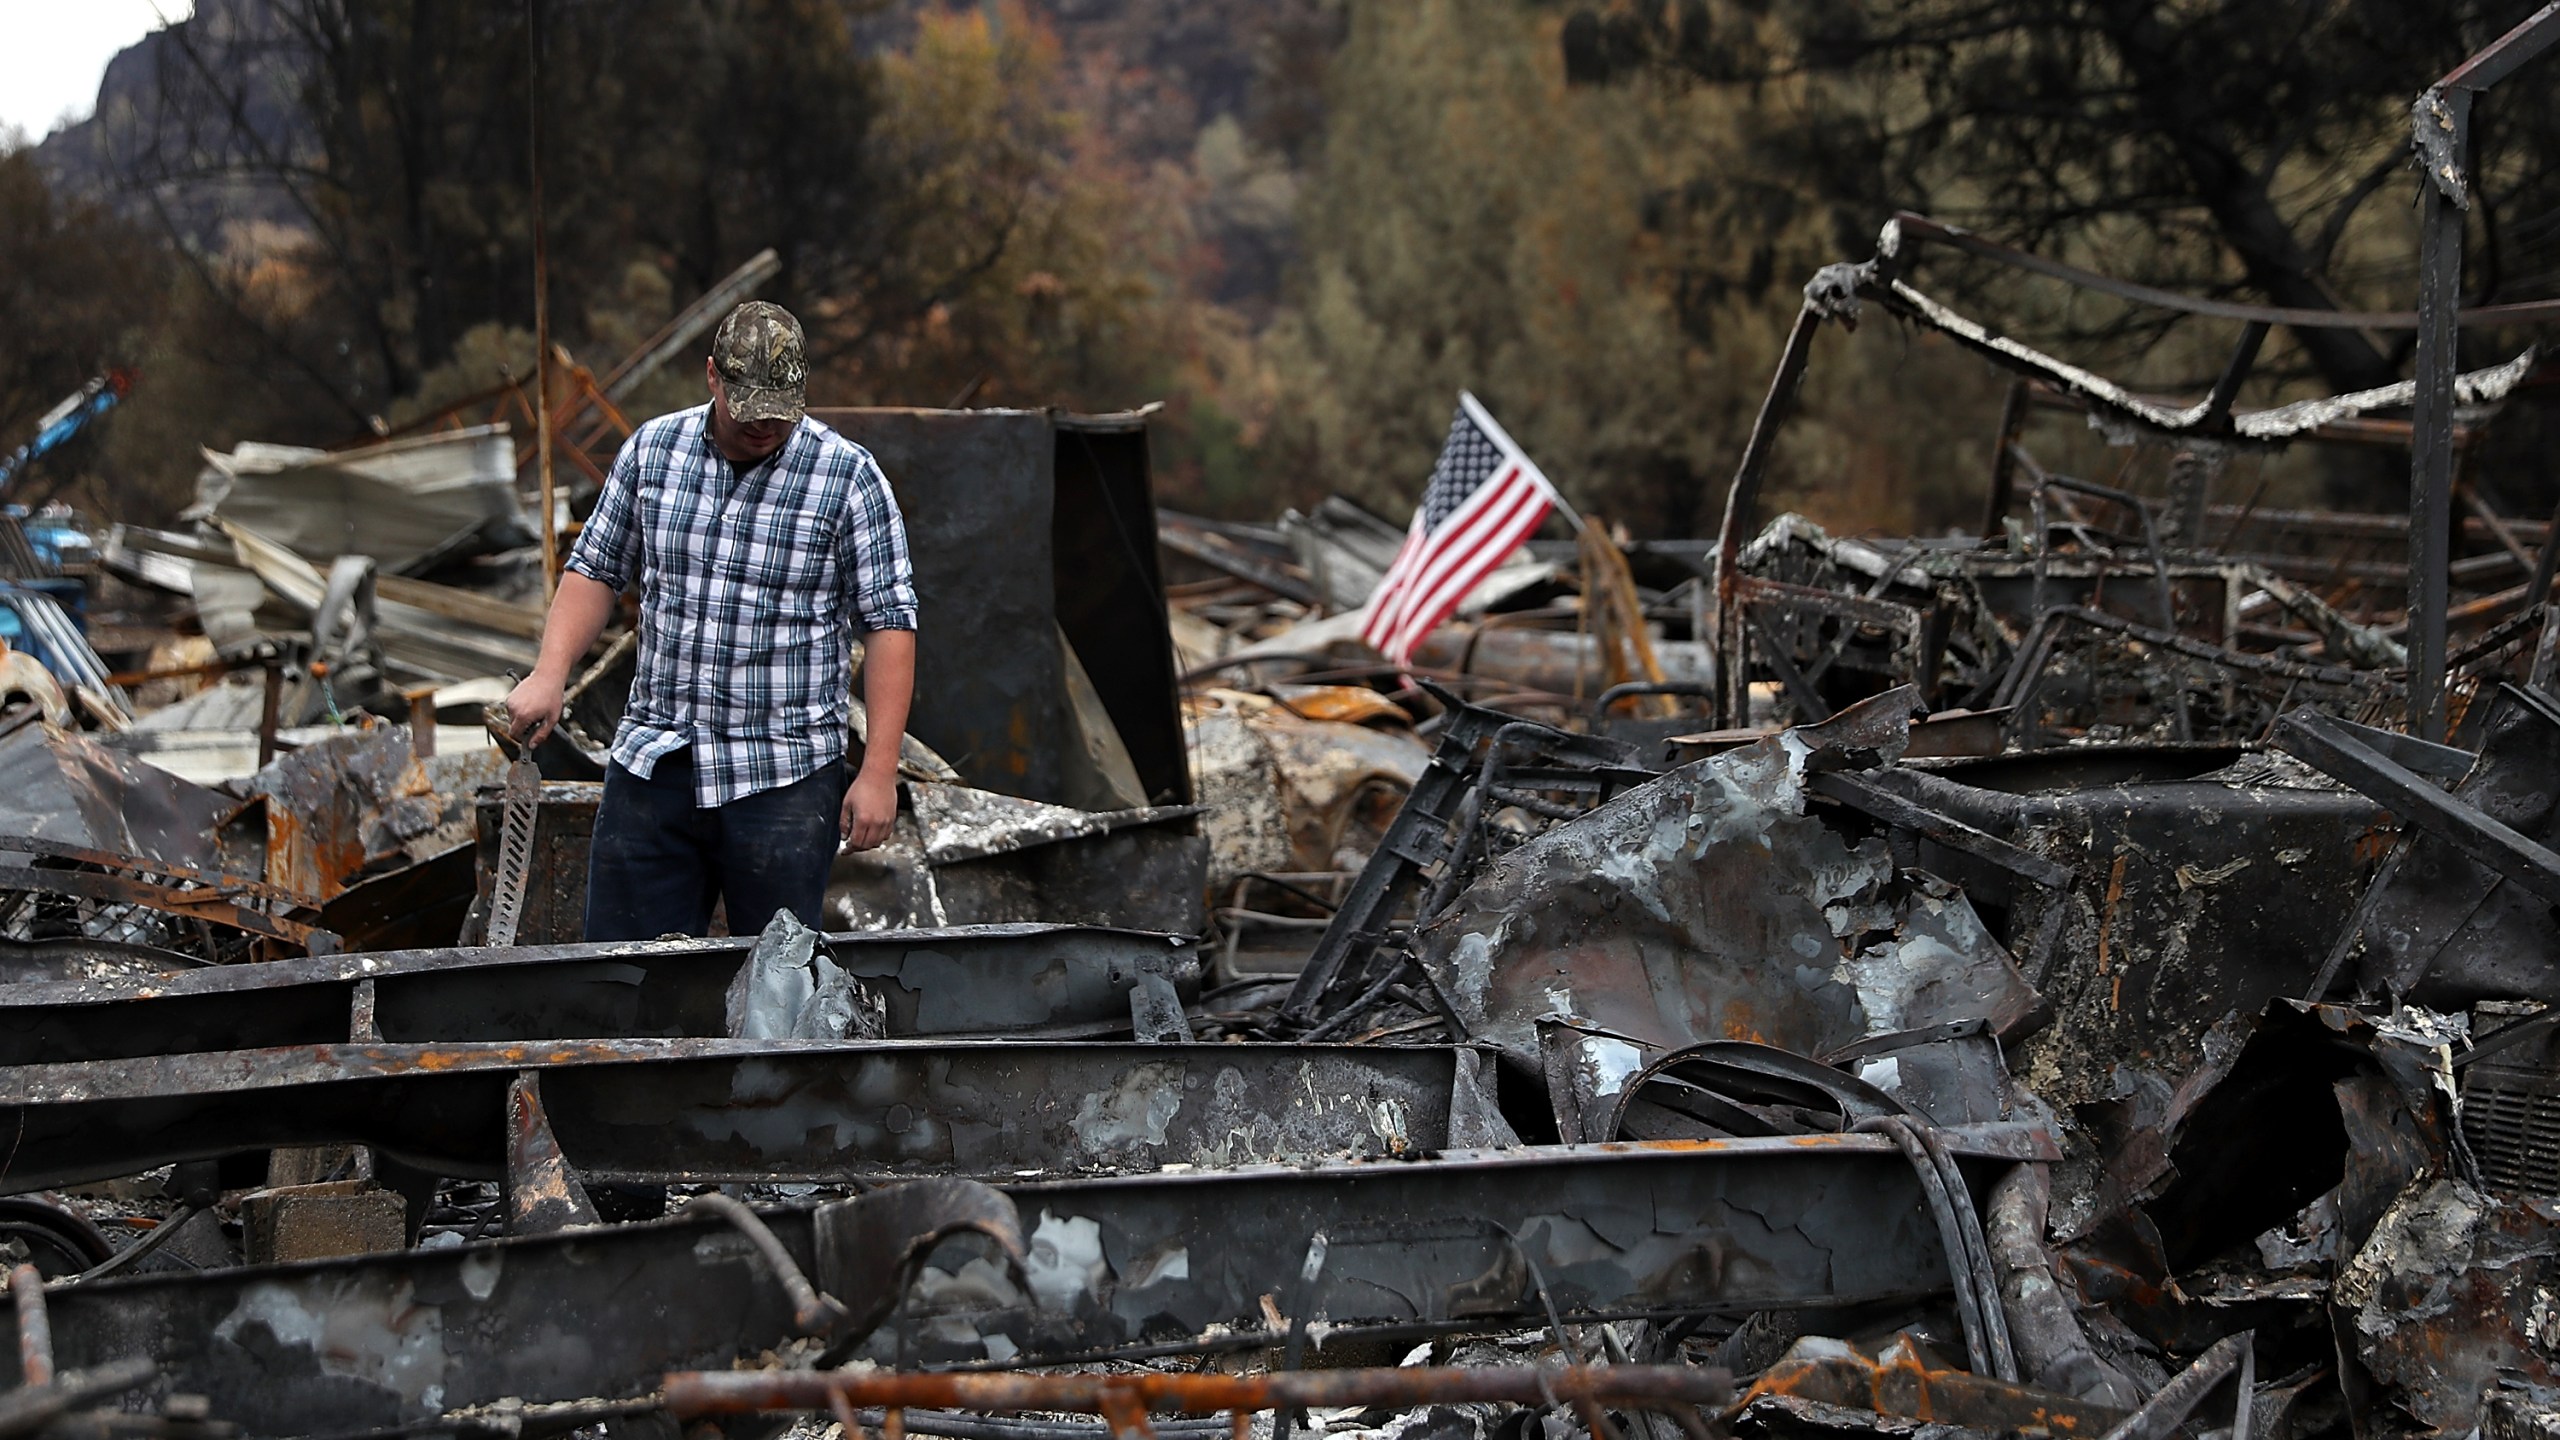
<point x="659" y="861"/>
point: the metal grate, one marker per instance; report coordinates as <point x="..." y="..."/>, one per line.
<point x="2511" y="1118"/>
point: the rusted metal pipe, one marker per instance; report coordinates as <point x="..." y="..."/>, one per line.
<point x="2172" y="1403"/>
<point x="690" y="1394"/>
<point x="274" y="668"/>
<point x="1742" y="511"/>
<point x="35" y="1327"/>
<point x="814" y="1311"/>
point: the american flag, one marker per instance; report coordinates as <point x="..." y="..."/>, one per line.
<point x="1485" y="497"/>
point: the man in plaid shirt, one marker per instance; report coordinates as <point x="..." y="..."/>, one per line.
<point x="758" y="539"/>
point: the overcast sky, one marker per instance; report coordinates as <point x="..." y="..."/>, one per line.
<point x="53" y="51"/>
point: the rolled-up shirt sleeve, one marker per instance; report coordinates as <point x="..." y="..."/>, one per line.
<point x="608" y="548"/>
<point x="880" y="584"/>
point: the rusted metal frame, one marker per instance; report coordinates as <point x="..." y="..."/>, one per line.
<point x="2327" y="745"/>
<point x="2226" y="387"/>
<point x="1840" y="645"/>
<point x="2546" y="652"/>
<point x="150" y="869"/>
<point x="2362" y="525"/>
<point x="2141" y="508"/>
<point x="2478" y="504"/>
<point x="544" y="431"/>
<point x="1907" y="625"/>
<point x="1173" y="535"/>
<point x="168" y="900"/>
<point x="35" y="1328"/>
<point x="43" y="1394"/>
<point x="934" y="980"/>
<point x="1416" y="1248"/>
<point x="2023" y="678"/>
<point x="2501" y="57"/>
<point x="269" y="705"/>
<point x="2312" y="569"/>
<point x="1975" y="1284"/>
<point x="1419" y="838"/>
<point x="2150" y="541"/>
<point x="2441" y="136"/>
<point x="2170" y="1405"/>
<point x="1799" y="690"/>
<point x="2478" y="608"/>
<point x="2258" y="428"/>
<point x="1877" y="803"/>
<point x="1848" y="1391"/>
<point x="2441" y="204"/>
<point x="1741" y="517"/>
<point x="2348" y="430"/>
<point x="1909" y="226"/>
<point x="1127" y="1399"/>
<point x="2004" y="461"/>
<point x="2547" y="562"/>
<point x="2486" y="651"/>
<point x="706" y="1111"/>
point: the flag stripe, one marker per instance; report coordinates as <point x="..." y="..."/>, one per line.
<point x="1454" y="544"/>
<point x="1406" y="587"/>
<point x="1429" y="620"/>
<point x="1486" y="551"/>
<point x="1456" y="570"/>
<point x="1382" y="601"/>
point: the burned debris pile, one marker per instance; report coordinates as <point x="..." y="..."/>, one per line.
<point x="2093" y="976"/>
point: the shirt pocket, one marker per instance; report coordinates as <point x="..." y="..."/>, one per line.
<point x="672" y="527"/>
<point x="794" y="553"/>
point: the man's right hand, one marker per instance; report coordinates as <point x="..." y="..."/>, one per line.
<point x="533" y="708"/>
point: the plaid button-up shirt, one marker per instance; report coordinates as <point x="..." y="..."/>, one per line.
<point x="750" y="585"/>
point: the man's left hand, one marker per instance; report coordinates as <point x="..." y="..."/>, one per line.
<point x="870" y="807"/>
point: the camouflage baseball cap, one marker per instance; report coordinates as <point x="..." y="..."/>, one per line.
<point x="758" y="355"/>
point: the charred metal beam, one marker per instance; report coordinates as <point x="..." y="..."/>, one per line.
<point x="2440" y="134"/>
<point x="2026" y="672"/>
<point x="1136" y="1265"/>
<point x="2277" y="425"/>
<point x="1122" y="1396"/>
<point x="1742" y="502"/>
<point x="2244" y="358"/>
<point x="2004" y="457"/>
<point x="1185" y="537"/>
<point x="207" y="902"/>
<point x="1908" y="226"/>
<point x="1864" y="795"/>
<point x="974" y="979"/>
<point x="2326" y="745"/>
<point x="2442" y="923"/>
<point x="661" y="1111"/>
<point x="163" y="870"/>
<point x="2420" y="757"/>
<point x="2443" y="135"/>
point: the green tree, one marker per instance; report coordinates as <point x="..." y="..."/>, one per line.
<point x="1470" y="225"/>
<point x="383" y="147"/>
<point x="2235" y="150"/>
<point x="76" y="290"/>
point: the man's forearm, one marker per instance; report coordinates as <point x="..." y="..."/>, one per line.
<point x="888" y="685"/>
<point x="578" y="615"/>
